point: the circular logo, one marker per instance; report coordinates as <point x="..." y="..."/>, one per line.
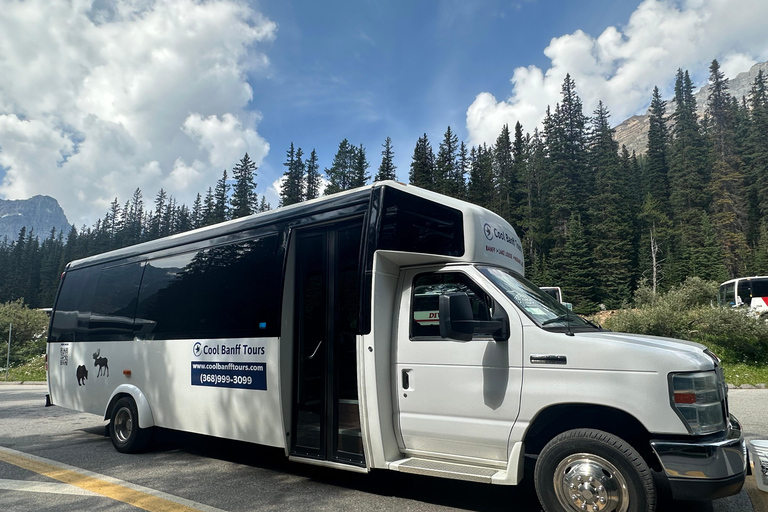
<point x="488" y="231"/>
<point x="197" y="349"/>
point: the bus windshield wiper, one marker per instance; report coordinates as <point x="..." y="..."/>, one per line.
<point x="560" y="318"/>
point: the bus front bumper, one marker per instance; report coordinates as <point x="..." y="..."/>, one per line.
<point x="705" y="470"/>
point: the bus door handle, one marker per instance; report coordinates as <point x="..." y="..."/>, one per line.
<point x="316" y="349"/>
<point x="406" y="379"/>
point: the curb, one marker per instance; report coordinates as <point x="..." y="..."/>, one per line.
<point x="23" y="382"/>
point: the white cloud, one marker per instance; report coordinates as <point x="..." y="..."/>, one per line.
<point x="98" y="98"/>
<point x="622" y="65"/>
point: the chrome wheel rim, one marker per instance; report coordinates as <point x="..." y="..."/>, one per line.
<point x="123" y="425"/>
<point x="584" y="481"/>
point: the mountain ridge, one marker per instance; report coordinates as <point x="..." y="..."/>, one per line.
<point x="633" y="131"/>
<point x="39" y="214"/>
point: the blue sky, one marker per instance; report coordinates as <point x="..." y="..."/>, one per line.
<point x="368" y="70"/>
<point x="100" y="97"/>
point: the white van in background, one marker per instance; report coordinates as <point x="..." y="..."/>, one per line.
<point x="557" y="294"/>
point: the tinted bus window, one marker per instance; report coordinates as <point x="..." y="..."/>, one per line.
<point x="114" y="303"/>
<point x="759" y="287"/>
<point x="410" y="223"/>
<point x="73" y="307"/>
<point x="744" y="291"/>
<point x="230" y="291"/>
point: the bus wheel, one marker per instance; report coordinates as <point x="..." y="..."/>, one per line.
<point x="124" y="429"/>
<point x="592" y="470"/>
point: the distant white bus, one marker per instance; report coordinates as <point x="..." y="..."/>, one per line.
<point x="388" y="327"/>
<point x="751" y="292"/>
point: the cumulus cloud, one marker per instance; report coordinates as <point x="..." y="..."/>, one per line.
<point x="622" y="65"/>
<point x="98" y="98"/>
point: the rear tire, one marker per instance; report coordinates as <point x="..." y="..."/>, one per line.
<point x="592" y="470"/>
<point x="124" y="429"/>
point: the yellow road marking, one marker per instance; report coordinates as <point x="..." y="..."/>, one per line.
<point x="97" y="484"/>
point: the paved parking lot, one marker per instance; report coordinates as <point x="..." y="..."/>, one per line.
<point x="55" y="459"/>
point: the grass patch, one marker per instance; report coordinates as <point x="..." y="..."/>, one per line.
<point x="30" y="371"/>
<point x="739" y="373"/>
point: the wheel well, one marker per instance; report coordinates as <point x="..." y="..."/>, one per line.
<point x="563" y="417"/>
<point x="118" y="396"/>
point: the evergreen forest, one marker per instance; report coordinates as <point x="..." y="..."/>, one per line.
<point x="594" y="219"/>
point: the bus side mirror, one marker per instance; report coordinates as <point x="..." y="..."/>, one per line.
<point x="457" y="321"/>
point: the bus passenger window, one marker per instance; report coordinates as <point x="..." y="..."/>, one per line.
<point x="228" y="291"/>
<point x="73" y="307"/>
<point x="744" y="291"/>
<point x="114" y="303"/>
<point x="427" y="288"/>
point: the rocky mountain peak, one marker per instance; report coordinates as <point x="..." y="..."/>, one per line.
<point x="633" y="132"/>
<point x="39" y="214"/>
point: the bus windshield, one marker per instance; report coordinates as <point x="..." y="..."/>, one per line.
<point x="541" y="307"/>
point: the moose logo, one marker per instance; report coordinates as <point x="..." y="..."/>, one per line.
<point x="82" y="374"/>
<point x="102" y="363"/>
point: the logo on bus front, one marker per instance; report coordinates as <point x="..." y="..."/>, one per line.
<point x="197" y="349"/>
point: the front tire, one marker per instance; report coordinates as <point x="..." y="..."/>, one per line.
<point x="592" y="470"/>
<point x="124" y="429"/>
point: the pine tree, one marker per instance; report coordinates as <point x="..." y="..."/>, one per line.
<point x="480" y="187"/>
<point x="756" y="146"/>
<point x="209" y="208"/>
<point x="574" y="268"/>
<point x="340" y="175"/>
<point x="292" y="190"/>
<point x="196" y="216"/>
<point x="156" y="227"/>
<point x="611" y="228"/>
<point x="359" y="176"/>
<point x="656" y="180"/>
<point x="422" y="173"/>
<point x="706" y="256"/>
<point x="387" y="167"/>
<point x="505" y="180"/>
<point x="566" y="182"/>
<point x="313" y="177"/>
<point x="446" y="179"/>
<point x="726" y="187"/>
<point x="220" y="211"/>
<point x="244" y="200"/>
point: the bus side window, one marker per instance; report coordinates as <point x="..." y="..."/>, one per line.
<point x="73" y="307"/>
<point x="730" y="294"/>
<point x="426" y="291"/>
<point x="114" y="303"/>
<point x="744" y="291"/>
<point x="228" y="291"/>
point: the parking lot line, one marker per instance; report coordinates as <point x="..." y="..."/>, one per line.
<point x="113" y="488"/>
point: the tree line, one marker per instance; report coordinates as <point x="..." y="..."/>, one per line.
<point x="594" y="218"/>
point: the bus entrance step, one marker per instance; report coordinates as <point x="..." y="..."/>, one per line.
<point x="444" y="469"/>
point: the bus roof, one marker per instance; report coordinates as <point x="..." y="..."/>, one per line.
<point x="742" y="279"/>
<point x="500" y="244"/>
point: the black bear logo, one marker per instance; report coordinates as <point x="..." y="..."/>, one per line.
<point x="82" y="374"/>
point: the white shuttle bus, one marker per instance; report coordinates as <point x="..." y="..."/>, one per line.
<point x="388" y="327"/>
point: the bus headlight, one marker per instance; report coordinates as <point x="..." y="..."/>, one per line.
<point x="697" y="399"/>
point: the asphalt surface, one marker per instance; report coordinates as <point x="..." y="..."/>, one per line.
<point x="60" y="460"/>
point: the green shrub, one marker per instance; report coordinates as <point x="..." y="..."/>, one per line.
<point x="30" y="331"/>
<point x="688" y="312"/>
